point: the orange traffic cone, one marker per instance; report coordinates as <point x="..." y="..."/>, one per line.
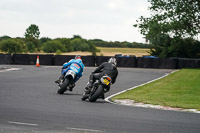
<point x="37" y="62"/>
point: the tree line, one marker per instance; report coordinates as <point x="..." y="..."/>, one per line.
<point x="32" y="43"/>
<point x="125" y="44"/>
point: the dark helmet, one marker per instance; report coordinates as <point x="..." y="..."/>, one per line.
<point x="113" y="61"/>
<point x="77" y="57"/>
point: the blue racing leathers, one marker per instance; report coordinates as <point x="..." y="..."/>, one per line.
<point x="75" y="65"/>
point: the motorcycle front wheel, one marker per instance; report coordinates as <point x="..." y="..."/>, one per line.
<point x="63" y="87"/>
<point x="84" y="97"/>
<point x="96" y="94"/>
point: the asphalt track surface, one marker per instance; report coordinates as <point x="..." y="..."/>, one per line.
<point x="29" y="103"/>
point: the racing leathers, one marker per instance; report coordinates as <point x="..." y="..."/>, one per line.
<point x="104" y="69"/>
<point x="74" y="64"/>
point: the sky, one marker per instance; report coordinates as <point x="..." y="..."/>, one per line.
<point x="109" y="20"/>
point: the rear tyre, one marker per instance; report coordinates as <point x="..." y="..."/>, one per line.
<point x="96" y="94"/>
<point x="63" y="87"/>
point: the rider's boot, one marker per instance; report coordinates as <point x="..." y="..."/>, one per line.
<point x="88" y="87"/>
<point x="86" y="94"/>
<point x="71" y="86"/>
<point x="59" y="80"/>
<point x="89" y="84"/>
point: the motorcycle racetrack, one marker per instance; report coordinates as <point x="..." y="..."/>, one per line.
<point x="29" y="103"/>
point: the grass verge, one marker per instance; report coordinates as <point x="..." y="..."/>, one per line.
<point x="180" y="89"/>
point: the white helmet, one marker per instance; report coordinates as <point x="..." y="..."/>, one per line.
<point x="113" y="61"/>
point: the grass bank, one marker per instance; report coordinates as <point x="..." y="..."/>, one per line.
<point x="180" y="89"/>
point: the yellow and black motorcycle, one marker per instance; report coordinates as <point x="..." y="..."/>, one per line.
<point x="99" y="88"/>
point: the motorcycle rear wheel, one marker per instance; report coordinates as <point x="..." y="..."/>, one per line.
<point x="63" y="87"/>
<point x="96" y="94"/>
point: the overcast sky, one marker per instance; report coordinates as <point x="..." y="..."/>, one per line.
<point x="109" y="20"/>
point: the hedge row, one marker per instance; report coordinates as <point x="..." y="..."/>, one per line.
<point x="132" y="62"/>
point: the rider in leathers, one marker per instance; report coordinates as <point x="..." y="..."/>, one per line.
<point x="107" y="68"/>
<point x="72" y="64"/>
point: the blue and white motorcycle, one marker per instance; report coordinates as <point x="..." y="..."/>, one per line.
<point x="70" y="77"/>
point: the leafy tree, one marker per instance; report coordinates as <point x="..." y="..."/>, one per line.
<point x="11" y="46"/>
<point x="53" y="47"/>
<point x="32" y="44"/>
<point x="31" y="36"/>
<point x="44" y="39"/>
<point x="175" y="18"/>
<point x="32" y="31"/>
<point x="76" y="36"/>
<point x="76" y="43"/>
<point x="101" y="43"/>
<point x="68" y="46"/>
<point x="93" y="48"/>
<point x="170" y="20"/>
<point x="85" y="47"/>
<point x="4" y="37"/>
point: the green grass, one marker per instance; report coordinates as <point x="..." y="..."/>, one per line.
<point x="180" y="89"/>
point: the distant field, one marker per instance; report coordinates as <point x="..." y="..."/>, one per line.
<point x="113" y="51"/>
<point x="124" y="51"/>
<point x="107" y="52"/>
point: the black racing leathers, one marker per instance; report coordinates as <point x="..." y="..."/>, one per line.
<point x="104" y="69"/>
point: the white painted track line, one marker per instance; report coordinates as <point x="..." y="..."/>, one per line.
<point x="21" y="123"/>
<point x="82" y="129"/>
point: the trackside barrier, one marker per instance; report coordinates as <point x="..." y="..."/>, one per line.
<point x="168" y="63"/>
<point x="6" y="59"/>
<point x="132" y="62"/>
<point x="121" y="61"/>
<point x="126" y="61"/>
<point x="188" y="63"/>
<point x="30" y="59"/>
<point x="61" y="59"/>
<point x="144" y="62"/>
<point x="88" y="60"/>
<point x="157" y="63"/>
<point x="101" y="59"/>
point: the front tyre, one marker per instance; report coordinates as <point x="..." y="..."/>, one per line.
<point x="63" y="87"/>
<point x="96" y="94"/>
